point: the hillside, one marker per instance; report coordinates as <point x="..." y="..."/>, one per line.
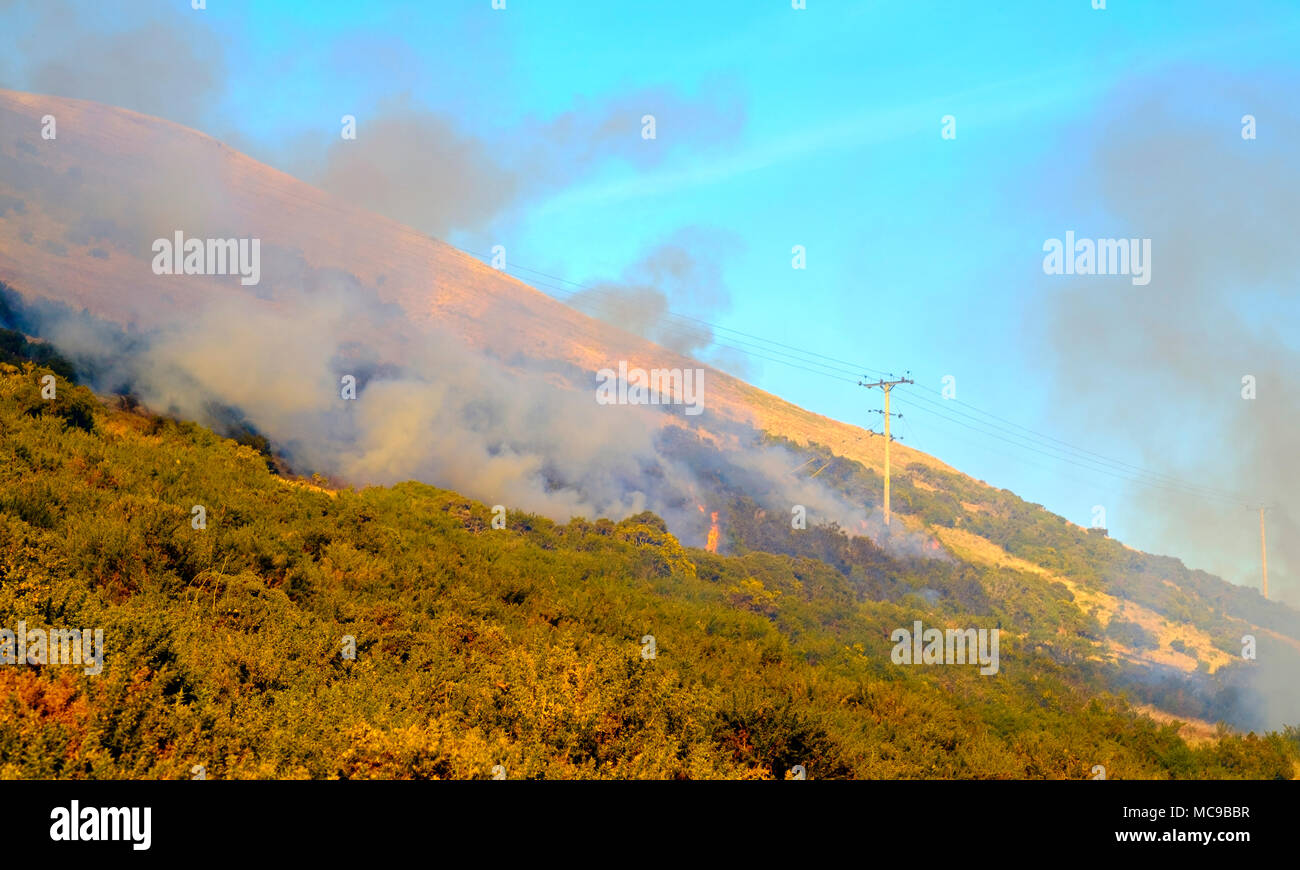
<point x="477" y="646"/>
<point x="82" y="212"/>
<point x="471" y="380"/>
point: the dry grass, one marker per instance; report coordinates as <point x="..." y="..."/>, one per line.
<point x="1197" y="732"/>
<point x="978" y="550"/>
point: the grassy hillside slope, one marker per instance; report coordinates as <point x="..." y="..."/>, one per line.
<point x="477" y="646"/>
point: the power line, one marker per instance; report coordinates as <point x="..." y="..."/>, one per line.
<point x="1091" y="469"/>
<point x="1022" y="459"/>
<point x="1150" y="478"/>
<point x="1103" y="465"/>
<point x="681" y="332"/>
<point x="843" y="370"/>
<point x="1076" y="449"/>
<point x="849" y="367"/>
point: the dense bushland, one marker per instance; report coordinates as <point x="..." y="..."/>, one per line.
<point x="477" y="646"/>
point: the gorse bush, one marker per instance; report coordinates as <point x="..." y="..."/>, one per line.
<point x="522" y="647"/>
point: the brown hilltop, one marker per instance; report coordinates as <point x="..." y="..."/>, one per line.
<point x="148" y="173"/>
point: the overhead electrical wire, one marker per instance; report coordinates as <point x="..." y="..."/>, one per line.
<point x="750" y="345"/>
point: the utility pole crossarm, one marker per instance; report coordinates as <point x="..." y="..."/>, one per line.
<point x="886" y="387"/>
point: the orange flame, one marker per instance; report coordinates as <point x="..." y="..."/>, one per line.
<point x="712" y="545"/>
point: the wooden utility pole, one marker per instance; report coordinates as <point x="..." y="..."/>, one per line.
<point x="887" y="386"/>
<point x="1263" y="551"/>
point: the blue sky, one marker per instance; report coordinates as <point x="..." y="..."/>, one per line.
<point x="923" y="253"/>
